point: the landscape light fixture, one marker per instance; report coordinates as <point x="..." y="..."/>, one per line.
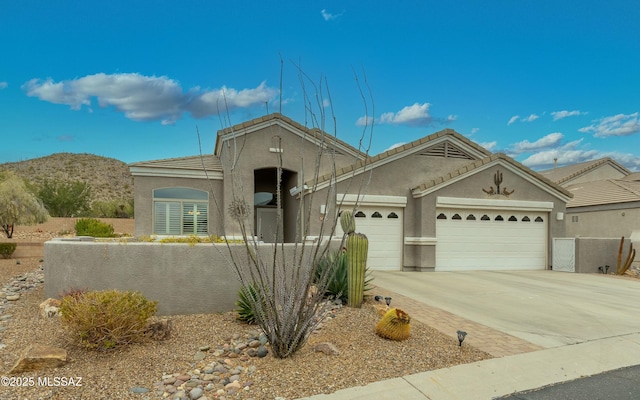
<point x="388" y="300"/>
<point x="461" y="336"/>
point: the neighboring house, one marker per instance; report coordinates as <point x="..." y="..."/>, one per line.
<point x="606" y="198"/>
<point x="439" y="203"/>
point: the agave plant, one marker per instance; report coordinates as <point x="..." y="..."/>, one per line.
<point x="245" y="303"/>
<point x="337" y="288"/>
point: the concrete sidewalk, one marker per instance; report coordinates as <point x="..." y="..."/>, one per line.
<point x="503" y="376"/>
<point x="563" y="352"/>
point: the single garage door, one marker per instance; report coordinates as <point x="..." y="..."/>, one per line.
<point x="383" y="227"/>
<point x="470" y="239"/>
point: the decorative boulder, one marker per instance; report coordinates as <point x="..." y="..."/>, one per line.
<point x="37" y="356"/>
<point x="49" y="308"/>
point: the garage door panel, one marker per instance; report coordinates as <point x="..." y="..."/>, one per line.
<point x="385" y="236"/>
<point x="491" y="244"/>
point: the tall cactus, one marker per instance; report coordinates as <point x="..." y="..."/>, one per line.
<point x="357" y="250"/>
<point x="347" y="222"/>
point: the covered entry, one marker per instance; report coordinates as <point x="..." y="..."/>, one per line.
<point x="481" y="234"/>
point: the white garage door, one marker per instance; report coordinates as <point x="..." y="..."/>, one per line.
<point x="470" y="239"/>
<point x="383" y="227"/>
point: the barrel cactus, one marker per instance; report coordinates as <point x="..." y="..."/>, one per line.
<point x="394" y="325"/>
<point x="357" y="250"/>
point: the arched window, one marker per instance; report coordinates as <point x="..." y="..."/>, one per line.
<point x="539" y="219"/>
<point x="456" y="216"/>
<point x="471" y="217"/>
<point x="513" y="218"/>
<point x="485" y="218"/>
<point x="525" y="219"/>
<point x="441" y="216"/>
<point x="392" y="215"/>
<point x="180" y="211"/>
<point x="360" y="214"/>
<point x="499" y="218"/>
<point x="376" y="215"/>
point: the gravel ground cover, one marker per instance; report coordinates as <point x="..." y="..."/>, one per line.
<point x="165" y="369"/>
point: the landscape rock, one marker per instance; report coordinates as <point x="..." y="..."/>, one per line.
<point x="327" y="348"/>
<point x="49" y="308"/>
<point x="159" y="330"/>
<point x="37" y="356"/>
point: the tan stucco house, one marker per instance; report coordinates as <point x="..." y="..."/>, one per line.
<point x="606" y="198"/>
<point x="439" y="203"/>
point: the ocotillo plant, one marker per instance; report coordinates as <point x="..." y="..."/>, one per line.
<point x="357" y="249"/>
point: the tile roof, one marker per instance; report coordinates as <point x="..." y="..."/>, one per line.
<point x="211" y="163"/>
<point x="490" y="159"/>
<point x="566" y="173"/>
<point x="608" y="191"/>
<point x="406" y="148"/>
<point x="274" y="118"/>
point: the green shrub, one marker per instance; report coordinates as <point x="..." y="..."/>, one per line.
<point x="7" y="249"/>
<point x="338" y="284"/>
<point x="106" y="319"/>
<point x="93" y="227"/>
<point x="246" y="310"/>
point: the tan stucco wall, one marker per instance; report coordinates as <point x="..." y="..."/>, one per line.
<point x="184" y="279"/>
<point x="143" y="203"/>
<point x="605" y="223"/>
<point x="253" y="152"/>
<point x="471" y="187"/>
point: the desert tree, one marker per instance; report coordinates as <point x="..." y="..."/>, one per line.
<point x="18" y="205"/>
<point x="65" y="198"/>
<point x="287" y="287"/>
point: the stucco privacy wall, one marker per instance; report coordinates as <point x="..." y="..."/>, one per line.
<point x="183" y="279"/>
<point x="592" y="253"/>
<point x="597" y="221"/>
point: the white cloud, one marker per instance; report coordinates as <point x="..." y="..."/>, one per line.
<point x="393" y="146"/>
<point x="513" y="119"/>
<point x="568" y="153"/>
<point x="326" y="103"/>
<point x="489" y="145"/>
<point x="328" y="16"/>
<point x="364" y="121"/>
<point x="530" y="118"/>
<point x="564" y="114"/>
<point x="415" y="115"/>
<point x="545" y="142"/>
<point x="452" y="118"/>
<point x="617" y="125"/>
<point x="474" y="130"/>
<point x="146" y="98"/>
<point x="3" y="85"/>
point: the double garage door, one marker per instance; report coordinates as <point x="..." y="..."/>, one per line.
<point x="383" y="227"/>
<point x="469" y="239"/>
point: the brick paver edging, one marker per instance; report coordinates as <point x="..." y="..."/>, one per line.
<point x="496" y="343"/>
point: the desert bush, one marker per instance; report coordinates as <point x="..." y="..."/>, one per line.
<point x="93" y="227"/>
<point x="106" y="319"/>
<point x="7" y="249"/>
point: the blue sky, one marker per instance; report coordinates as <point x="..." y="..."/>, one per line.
<point x="131" y="80"/>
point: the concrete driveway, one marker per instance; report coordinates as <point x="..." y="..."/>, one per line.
<point x="547" y="308"/>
